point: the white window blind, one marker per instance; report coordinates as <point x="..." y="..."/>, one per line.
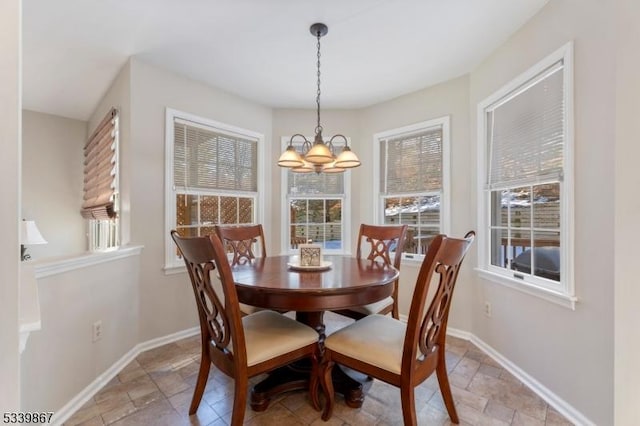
<point x="525" y="130"/>
<point x="208" y="160"/>
<point x="101" y="170"/>
<point x="412" y="163"/>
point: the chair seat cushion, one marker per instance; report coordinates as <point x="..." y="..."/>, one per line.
<point x="377" y="340"/>
<point x="373" y="308"/>
<point x="269" y="334"/>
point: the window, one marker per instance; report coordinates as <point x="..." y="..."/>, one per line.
<point x="316" y="209"/>
<point x="101" y="184"/>
<point x="526" y="177"/>
<point x="212" y="177"/>
<point x="412" y="182"/>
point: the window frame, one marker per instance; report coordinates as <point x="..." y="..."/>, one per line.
<point x="564" y="293"/>
<point x="172" y="262"/>
<point x="346" y="209"/>
<point x="445" y="193"/>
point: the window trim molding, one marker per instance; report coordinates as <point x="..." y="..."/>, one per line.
<point x="284" y="208"/>
<point x="445" y="209"/>
<point x="566" y="295"/>
<point x="169" y="211"/>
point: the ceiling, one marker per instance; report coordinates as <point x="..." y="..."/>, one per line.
<point x="261" y="50"/>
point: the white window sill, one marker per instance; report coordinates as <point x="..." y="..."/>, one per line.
<point x="558" y="298"/>
<point x="47" y="267"/>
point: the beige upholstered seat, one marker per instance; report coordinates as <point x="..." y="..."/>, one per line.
<point x="400" y="354"/>
<point x="383" y="348"/>
<point x="269" y="334"/>
<point x="383" y="243"/>
<point x="239" y="347"/>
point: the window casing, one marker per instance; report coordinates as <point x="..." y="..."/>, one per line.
<point x="212" y="177"/>
<point x="316" y="208"/>
<point x="526" y="177"/>
<point x="411" y="182"/>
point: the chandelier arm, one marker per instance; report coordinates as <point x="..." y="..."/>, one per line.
<point x="346" y="142"/>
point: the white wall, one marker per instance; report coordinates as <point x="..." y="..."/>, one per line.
<point x="446" y="99"/>
<point x="166" y="302"/>
<point x="570" y="352"/>
<point x="627" y="211"/>
<point x="60" y="360"/>
<point x="52" y="175"/>
<point x="10" y="141"/>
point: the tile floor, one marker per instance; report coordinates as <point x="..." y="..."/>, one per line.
<point x="156" y="389"/>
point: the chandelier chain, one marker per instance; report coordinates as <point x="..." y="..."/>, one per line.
<point x="318" y="127"/>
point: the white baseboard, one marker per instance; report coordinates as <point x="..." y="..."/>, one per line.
<point x="559" y="404"/>
<point x="87" y="393"/>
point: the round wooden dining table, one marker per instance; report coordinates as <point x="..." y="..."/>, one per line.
<point x="272" y="283"/>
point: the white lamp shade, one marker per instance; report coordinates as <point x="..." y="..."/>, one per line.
<point x="29" y="233"/>
<point x="347" y="159"/>
<point x="290" y="158"/>
<point x="319" y="154"/>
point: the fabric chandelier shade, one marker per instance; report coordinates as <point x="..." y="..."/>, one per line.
<point x="101" y="170"/>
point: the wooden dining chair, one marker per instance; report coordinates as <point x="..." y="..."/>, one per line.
<point x="239" y="347"/>
<point x="404" y="354"/>
<point x="240" y="241"/>
<point x="385" y="244"/>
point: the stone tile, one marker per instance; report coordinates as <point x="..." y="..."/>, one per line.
<point x="556" y="419"/>
<point x="499" y="411"/>
<point x="459" y="380"/>
<point x="182" y="398"/>
<point x="118" y="413"/>
<point x="203" y="416"/>
<point x="114" y="389"/>
<point x="159" y="413"/>
<point x="114" y="402"/>
<point x="463" y="396"/>
<point x="520" y="419"/>
<point x="352" y="416"/>
<point x="333" y="421"/>
<point x="477" y="418"/>
<point x="510" y="395"/>
<point x="490" y="370"/>
<point x="132" y="371"/>
<point x="140" y="387"/>
<point x="218" y="422"/>
<point x="170" y="383"/>
<point x="276" y="414"/>
<point x="84" y="414"/>
<point x="429" y="415"/>
<point x="95" y="421"/>
<point x="467" y="367"/>
<point x="145" y="400"/>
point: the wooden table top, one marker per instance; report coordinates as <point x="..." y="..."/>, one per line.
<point x="270" y="283"/>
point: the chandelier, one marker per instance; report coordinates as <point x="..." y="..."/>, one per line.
<point x="318" y="156"/>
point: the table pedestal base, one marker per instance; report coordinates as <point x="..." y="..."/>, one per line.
<point x="296" y="377"/>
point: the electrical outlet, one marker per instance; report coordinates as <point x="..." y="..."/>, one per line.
<point x="487" y="309"/>
<point x="97" y="331"/>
